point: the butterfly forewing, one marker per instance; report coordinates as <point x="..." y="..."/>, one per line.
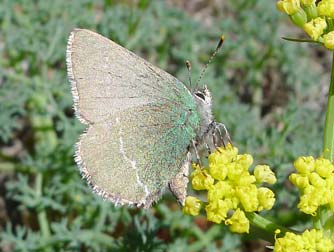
<point x="140" y="120"/>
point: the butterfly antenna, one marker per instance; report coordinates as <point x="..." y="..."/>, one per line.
<point x="189" y="72"/>
<point x="220" y="44"/>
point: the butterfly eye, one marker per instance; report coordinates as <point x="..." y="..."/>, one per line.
<point x="200" y="95"/>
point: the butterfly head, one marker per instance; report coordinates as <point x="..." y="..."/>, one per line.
<point x="203" y="96"/>
<point x="203" y="100"/>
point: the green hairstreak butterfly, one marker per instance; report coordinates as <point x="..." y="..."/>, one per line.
<point x="141" y="122"/>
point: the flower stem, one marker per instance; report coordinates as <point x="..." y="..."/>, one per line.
<point x="328" y="147"/>
<point x="266" y="228"/>
<point x="41" y="215"/>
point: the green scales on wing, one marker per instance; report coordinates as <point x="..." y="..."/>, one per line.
<point x="140" y="120"/>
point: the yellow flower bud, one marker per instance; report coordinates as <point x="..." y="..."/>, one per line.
<point x="307" y="2"/>
<point x="329" y="40"/>
<point x="323" y="166"/>
<point x="326" y="8"/>
<point x="216" y="211"/>
<point x="308" y="205"/>
<point x="330" y="182"/>
<point x="238" y="222"/>
<point x="315" y="28"/>
<point x="235" y="171"/>
<point x="228" y="153"/>
<point x="219" y="190"/>
<point x="316" y="180"/>
<point x="298" y="180"/>
<point x="289" y="242"/>
<point x="201" y="179"/>
<point x="245" y="160"/>
<point x="192" y="206"/>
<point x="288" y="6"/>
<point x="248" y="197"/>
<point x="304" y="165"/>
<point x="266" y="198"/>
<point x="218" y="171"/>
<point x="244" y="179"/>
<point x="263" y="173"/>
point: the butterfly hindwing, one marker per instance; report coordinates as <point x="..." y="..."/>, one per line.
<point x="140" y="120"/>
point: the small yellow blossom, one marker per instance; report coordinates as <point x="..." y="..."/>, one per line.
<point x="301" y="181"/>
<point x="217" y="170"/>
<point x="263" y="174"/>
<point x="323" y="166"/>
<point x="288" y="6"/>
<point x="244" y="179"/>
<point x="316" y="180"/>
<point x="248" y="197"/>
<point x="201" y="179"/>
<point x="235" y="171"/>
<point x="219" y="190"/>
<point x="307" y="2"/>
<point x="216" y="211"/>
<point x="228" y="153"/>
<point x="192" y="206"/>
<point x="315" y="28"/>
<point x="304" y="165"/>
<point x="245" y="160"/>
<point x="266" y="198"/>
<point x="219" y="159"/>
<point x="310" y="240"/>
<point x="308" y="205"/>
<point x="326" y="8"/>
<point x="238" y="222"/>
<point x="329" y="40"/>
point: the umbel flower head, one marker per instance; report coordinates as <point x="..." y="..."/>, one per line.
<point x="315" y="181"/>
<point x="309" y="240"/>
<point x="314" y="17"/>
<point x="231" y="190"/>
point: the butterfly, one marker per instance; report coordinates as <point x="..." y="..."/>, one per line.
<point x="142" y="123"/>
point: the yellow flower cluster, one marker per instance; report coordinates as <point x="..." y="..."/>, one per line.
<point x="315" y="181"/>
<point x="326" y="8"/>
<point x="315" y="17"/>
<point x="231" y="189"/>
<point x="310" y="240"/>
<point x="315" y="28"/>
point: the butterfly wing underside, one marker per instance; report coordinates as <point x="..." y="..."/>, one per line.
<point x="140" y="120"/>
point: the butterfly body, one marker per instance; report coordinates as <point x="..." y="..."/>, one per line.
<point x="141" y="121"/>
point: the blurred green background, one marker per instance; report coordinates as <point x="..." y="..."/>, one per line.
<point x="269" y="92"/>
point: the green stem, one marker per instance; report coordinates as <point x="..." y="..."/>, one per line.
<point x="328" y="147"/>
<point x="266" y="228"/>
<point x="41" y="215"/>
<point x="301" y="40"/>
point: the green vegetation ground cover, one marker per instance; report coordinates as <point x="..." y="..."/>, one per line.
<point x="263" y="88"/>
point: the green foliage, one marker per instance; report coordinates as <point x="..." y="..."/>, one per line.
<point x="259" y="83"/>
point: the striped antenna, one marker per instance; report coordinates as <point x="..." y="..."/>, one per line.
<point x="220" y="44"/>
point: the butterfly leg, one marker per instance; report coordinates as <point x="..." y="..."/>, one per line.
<point x="194" y="143"/>
<point x="208" y="148"/>
<point x="221" y="127"/>
<point x="214" y="139"/>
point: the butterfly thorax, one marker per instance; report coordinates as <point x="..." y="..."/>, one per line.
<point x="204" y="105"/>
